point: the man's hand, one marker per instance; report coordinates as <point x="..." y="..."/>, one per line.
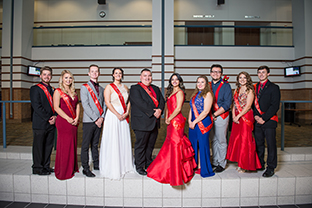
<point x="157" y="112"/>
<point x="99" y="122"/>
<point x="52" y="120"/>
<point x="259" y="120"/>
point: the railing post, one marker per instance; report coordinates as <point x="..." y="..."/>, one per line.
<point x="282" y="127"/>
<point x="4" y="124"/>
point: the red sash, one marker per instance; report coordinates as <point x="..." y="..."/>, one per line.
<point x="49" y="97"/>
<point x="96" y="101"/>
<point x="239" y="108"/>
<point x="121" y="99"/>
<point x="274" y="118"/>
<point x="215" y="105"/>
<point x="201" y="126"/>
<point x="68" y="103"/>
<point x="149" y="93"/>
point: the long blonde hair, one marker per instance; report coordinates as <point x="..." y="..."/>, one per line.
<point x="205" y="90"/>
<point x="71" y="87"/>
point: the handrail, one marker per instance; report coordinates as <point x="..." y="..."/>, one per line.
<point x="4" y="116"/>
<point x="125" y="26"/>
<point x="237" y="26"/>
<point x="89" y="26"/>
<point x="283" y="116"/>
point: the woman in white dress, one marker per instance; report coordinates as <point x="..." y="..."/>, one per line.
<point x="116" y="157"/>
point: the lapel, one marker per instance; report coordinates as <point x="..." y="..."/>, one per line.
<point x="94" y="90"/>
<point x="155" y="90"/>
<point x="257" y="87"/>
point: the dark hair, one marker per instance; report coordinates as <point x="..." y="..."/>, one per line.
<point x="47" y="68"/>
<point x="217" y="66"/>
<point x="206" y="89"/>
<point x="264" y="67"/>
<point x="122" y="72"/>
<point x="249" y="84"/>
<point x="145" y="69"/>
<point x="170" y="87"/>
<point x="95" y="66"/>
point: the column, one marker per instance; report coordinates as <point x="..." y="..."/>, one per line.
<point x="23" y="20"/>
<point x="168" y="29"/>
<point x="302" y="23"/>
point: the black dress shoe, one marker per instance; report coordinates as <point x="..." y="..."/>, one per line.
<point x="37" y="172"/>
<point x="141" y="171"/>
<point x="263" y="168"/>
<point x="96" y="168"/>
<point x="51" y="170"/>
<point x="88" y="173"/>
<point x="268" y="173"/>
<point x="44" y="172"/>
<point x="219" y="169"/>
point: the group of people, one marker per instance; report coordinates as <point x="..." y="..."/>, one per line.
<point x="254" y="108"/>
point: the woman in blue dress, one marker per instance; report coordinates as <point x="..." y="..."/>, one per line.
<point x="200" y="124"/>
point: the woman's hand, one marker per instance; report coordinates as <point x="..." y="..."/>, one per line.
<point x="120" y="117"/>
<point x="124" y="116"/>
<point x="167" y="121"/>
<point x="236" y="119"/>
<point x="70" y="120"/>
<point x="192" y="125"/>
<point x="76" y="121"/>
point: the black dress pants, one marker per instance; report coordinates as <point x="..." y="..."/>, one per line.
<point x="144" y="146"/>
<point x="42" y="148"/>
<point x="268" y="134"/>
<point x="91" y="135"/>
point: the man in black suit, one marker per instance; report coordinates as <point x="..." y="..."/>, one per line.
<point x="43" y="122"/>
<point x="147" y="105"/>
<point x="267" y="102"/>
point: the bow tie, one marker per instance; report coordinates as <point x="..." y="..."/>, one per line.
<point x="96" y="84"/>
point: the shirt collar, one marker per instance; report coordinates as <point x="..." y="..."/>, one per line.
<point x="45" y="85"/>
<point x="94" y="83"/>
<point x="264" y="83"/>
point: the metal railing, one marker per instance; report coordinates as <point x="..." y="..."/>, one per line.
<point x="141" y="35"/>
<point x="283" y="118"/>
<point x="4" y="117"/>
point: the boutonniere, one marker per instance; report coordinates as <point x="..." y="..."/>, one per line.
<point x="225" y="79"/>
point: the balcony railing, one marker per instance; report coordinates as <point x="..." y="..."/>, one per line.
<point x="233" y="35"/>
<point x="207" y="35"/>
<point x="92" y="35"/>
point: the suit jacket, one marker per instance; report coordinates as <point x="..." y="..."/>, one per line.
<point x="269" y="103"/>
<point x="142" y="108"/>
<point x="42" y="110"/>
<point x="90" y="111"/>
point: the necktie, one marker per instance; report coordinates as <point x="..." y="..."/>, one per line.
<point x="260" y="90"/>
<point x="50" y="90"/>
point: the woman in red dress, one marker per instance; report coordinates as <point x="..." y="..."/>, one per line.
<point x="65" y="102"/>
<point x="242" y="146"/>
<point x="175" y="161"/>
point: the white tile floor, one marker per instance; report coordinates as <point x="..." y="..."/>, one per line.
<point x="291" y="184"/>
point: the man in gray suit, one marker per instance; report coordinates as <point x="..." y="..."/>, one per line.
<point x="92" y="100"/>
